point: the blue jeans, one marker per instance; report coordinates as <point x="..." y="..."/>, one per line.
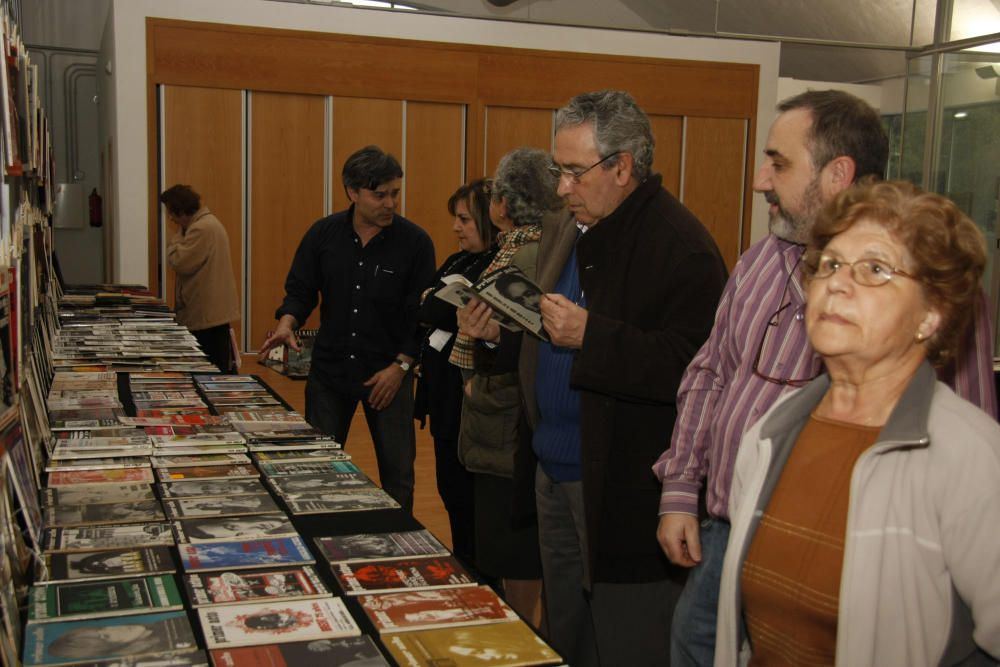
<point x="391" y="429"/>
<point x="692" y="633"/>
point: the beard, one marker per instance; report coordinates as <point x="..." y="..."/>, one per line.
<point x="795" y="226"/>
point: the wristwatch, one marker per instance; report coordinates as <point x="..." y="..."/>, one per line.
<point x="405" y="365"/>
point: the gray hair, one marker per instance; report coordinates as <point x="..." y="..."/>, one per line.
<point x="524" y="180"/>
<point x="620" y="126"/>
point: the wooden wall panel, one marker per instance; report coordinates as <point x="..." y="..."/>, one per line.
<point x="203" y="148"/>
<point x="358" y="122"/>
<point x="286" y="185"/>
<point x="668" y="132"/>
<point x="519" y="87"/>
<point x="713" y="172"/>
<point x="509" y="128"/>
<point x="215" y="55"/>
<point x="434" y="168"/>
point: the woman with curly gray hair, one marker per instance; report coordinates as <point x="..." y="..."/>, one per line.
<point x="863" y="504"/>
<point x="523" y="192"/>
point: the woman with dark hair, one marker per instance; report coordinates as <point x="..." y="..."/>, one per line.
<point x="439" y="388"/>
<point x="205" y="296"/>
<point x="864" y="505"/>
<point x="523" y="192"/>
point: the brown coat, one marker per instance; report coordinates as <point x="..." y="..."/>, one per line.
<point x="205" y="293"/>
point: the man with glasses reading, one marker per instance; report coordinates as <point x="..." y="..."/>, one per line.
<point x="820" y="143"/>
<point x="627" y="304"/>
<point x="369" y="265"/>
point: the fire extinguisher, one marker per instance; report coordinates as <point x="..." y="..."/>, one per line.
<point x="96" y="209"/>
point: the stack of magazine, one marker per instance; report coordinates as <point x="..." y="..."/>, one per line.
<point x="163" y="536"/>
<point x="130" y="341"/>
<point x="228" y="393"/>
<point x="426" y="608"/>
<point x="106" y="587"/>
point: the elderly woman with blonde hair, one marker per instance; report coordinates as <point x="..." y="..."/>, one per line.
<point x="865" y="505"/>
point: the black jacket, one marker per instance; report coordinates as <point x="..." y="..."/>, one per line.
<point x="652" y="276"/>
<point x="439" y="388"/>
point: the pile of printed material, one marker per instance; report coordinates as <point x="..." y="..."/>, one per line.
<point x="161" y="501"/>
<point x="121" y="555"/>
<point x="426" y="607"/>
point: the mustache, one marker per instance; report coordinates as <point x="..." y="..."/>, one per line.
<point x="772" y="198"/>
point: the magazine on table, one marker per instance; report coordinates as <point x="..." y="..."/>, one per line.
<point x="200" y="488"/>
<point x="227" y="529"/>
<point x="97" y="599"/>
<point x="463" y="646"/>
<point x="341" y="501"/>
<point x="268" y="585"/>
<point x="145" y="511"/>
<point x="97" y="493"/>
<point x="400" y="575"/>
<point x="219" y="506"/>
<point x="93" y="538"/>
<point x="380" y="546"/>
<point x="71" y="642"/>
<point x="276" y="622"/>
<point x="444" y="607"/>
<point x="244" y="554"/>
<point x="345" y="652"/>
<point x="108" y="564"/>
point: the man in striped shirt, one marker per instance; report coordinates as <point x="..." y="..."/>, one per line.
<point x="820" y="143"/>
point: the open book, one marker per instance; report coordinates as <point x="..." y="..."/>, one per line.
<point x="514" y="298"/>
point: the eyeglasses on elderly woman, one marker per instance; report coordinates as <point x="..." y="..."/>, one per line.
<point x="869" y="272"/>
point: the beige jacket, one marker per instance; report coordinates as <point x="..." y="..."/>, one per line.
<point x="921" y="575"/>
<point x="205" y="292"/>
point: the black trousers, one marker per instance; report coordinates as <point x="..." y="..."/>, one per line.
<point x="217" y="345"/>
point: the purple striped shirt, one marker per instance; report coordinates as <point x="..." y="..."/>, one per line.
<point x="720" y="397"/>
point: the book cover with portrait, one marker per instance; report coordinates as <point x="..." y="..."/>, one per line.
<point x="347" y="652"/>
<point x="275" y="623"/>
<point x="438" y="608"/>
<point x="380" y="546"/>
<point x="115" y="536"/>
<point x="228" y="587"/>
<point x="198" y="488"/>
<point x="108" y="564"/>
<point x="220" y="506"/>
<point x="230" y="528"/>
<point x="70" y="642"/>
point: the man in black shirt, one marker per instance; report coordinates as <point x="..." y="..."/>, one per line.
<point x="369" y="265"/>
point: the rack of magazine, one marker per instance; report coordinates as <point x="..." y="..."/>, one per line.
<point x="163" y="513"/>
<point x="155" y="512"/>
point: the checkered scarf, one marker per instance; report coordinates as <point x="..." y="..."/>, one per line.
<point x="510" y="242"/>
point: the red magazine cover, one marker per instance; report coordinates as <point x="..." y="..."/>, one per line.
<point x="401" y="574"/>
<point x="422" y="610"/>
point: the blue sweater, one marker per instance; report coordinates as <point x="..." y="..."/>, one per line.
<point x="556" y="440"/>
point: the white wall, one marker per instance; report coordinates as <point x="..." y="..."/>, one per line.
<point x="126" y="49"/>
<point x="870" y="93"/>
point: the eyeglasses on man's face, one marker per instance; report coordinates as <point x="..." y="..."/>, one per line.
<point x="867" y="272"/>
<point x="574" y="175"/>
